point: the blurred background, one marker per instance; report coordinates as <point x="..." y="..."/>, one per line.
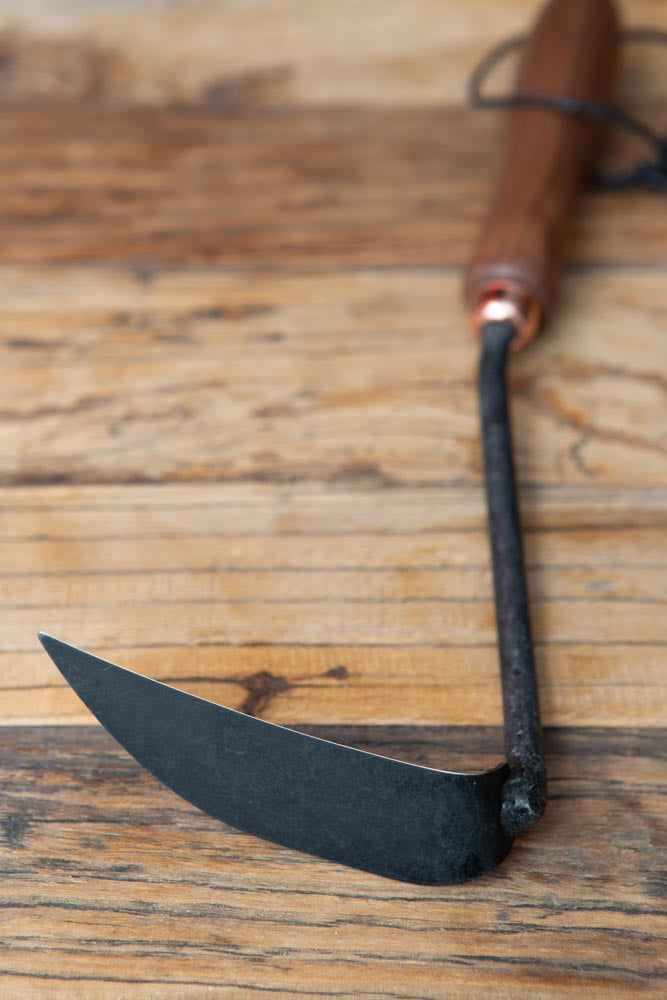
<point x="235" y="53"/>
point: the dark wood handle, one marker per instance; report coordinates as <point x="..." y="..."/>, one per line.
<point x="547" y="154"/>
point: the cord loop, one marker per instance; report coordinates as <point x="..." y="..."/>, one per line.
<point x="650" y="174"/>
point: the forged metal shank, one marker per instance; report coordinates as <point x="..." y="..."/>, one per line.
<point x="524" y="795"/>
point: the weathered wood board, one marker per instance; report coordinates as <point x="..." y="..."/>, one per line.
<point x="118" y="888"/>
<point x="239" y="453"/>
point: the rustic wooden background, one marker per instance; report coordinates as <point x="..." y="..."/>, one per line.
<point x="239" y="452"/>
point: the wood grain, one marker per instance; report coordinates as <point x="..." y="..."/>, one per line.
<point x="129" y="891"/>
<point x="340" y="605"/>
<point x="362" y="186"/>
<point x="239" y="452"/>
<point x="352" y="377"/>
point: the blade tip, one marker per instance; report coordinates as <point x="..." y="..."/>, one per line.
<point x="53" y="645"/>
<point x="47" y="640"/>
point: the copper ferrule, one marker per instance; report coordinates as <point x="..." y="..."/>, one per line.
<point x="501" y="301"/>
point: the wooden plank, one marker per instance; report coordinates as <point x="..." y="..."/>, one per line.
<point x="353" y="186"/>
<point x="239" y="452"/>
<point x="580" y="684"/>
<point x="347" y="377"/>
<point x="234" y="54"/>
<point x="340" y="605"/>
<point x="114" y="886"/>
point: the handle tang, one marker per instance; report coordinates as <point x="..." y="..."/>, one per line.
<point x="518" y="257"/>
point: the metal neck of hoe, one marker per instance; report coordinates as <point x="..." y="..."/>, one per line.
<point x="524" y="793"/>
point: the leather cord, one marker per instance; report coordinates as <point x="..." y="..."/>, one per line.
<point x="651" y="173"/>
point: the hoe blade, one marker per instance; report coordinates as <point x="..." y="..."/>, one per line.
<point x="384" y="816"/>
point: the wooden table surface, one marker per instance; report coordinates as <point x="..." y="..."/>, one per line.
<point x="239" y="452"/>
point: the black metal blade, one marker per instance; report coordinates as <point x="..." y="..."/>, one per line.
<point x="381" y="815"/>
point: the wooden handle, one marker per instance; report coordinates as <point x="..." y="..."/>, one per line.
<point x="518" y="257"/>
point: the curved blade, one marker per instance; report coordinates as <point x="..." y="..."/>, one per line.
<point x="381" y="815"/>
